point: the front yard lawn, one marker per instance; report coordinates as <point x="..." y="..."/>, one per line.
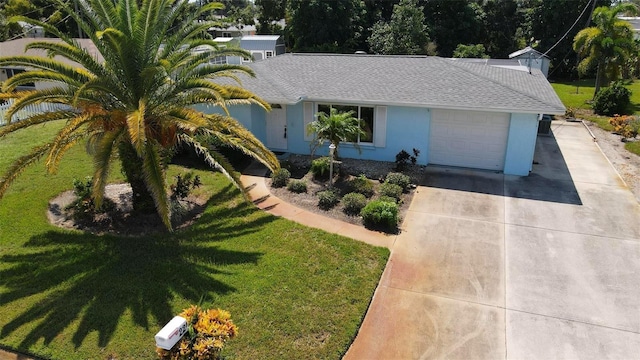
<point x="577" y="94"/>
<point x="294" y="292"/>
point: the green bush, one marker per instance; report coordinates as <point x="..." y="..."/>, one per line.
<point x="280" y="178"/>
<point x="380" y="214"/>
<point x="399" y="179"/>
<point x="361" y="185"/>
<point x="327" y="199"/>
<point x="616" y="99"/>
<point x="320" y="167"/>
<point x="353" y="203"/>
<point x="297" y="186"/>
<point x="390" y="190"/>
<point x="83" y="207"/>
<point x="388" y="199"/>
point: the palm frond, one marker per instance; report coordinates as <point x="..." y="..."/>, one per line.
<point x="18" y="166"/>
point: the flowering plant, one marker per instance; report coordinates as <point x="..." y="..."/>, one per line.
<point x="208" y="331"/>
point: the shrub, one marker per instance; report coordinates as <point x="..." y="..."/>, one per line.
<point x="615" y="99"/>
<point x="399" y="179"/>
<point x="402" y="160"/>
<point x="320" y="167"/>
<point x="327" y="199"/>
<point x="297" y="186"/>
<point x="84" y="208"/>
<point x="388" y="199"/>
<point x="361" y="185"/>
<point x="280" y="178"/>
<point x="380" y="214"/>
<point x="207" y="333"/>
<point x="391" y="190"/>
<point x="353" y="203"/>
<point x="627" y="126"/>
<point x="183" y="186"/>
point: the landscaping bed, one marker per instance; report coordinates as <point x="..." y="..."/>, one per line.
<point x="346" y="170"/>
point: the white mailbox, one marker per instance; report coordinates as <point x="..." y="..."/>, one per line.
<point x="171" y="333"/>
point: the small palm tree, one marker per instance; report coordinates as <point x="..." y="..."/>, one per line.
<point x="137" y="103"/>
<point x="607" y="45"/>
<point x="336" y="128"/>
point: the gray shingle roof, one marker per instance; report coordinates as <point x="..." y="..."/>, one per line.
<point x="425" y="81"/>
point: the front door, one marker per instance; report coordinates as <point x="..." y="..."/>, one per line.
<point x="277" y="128"/>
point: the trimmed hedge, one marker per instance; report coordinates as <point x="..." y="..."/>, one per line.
<point x="352" y="203"/>
<point x="327" y="199"/>
<point x="297" y="186"/>
<point x="380" y="214"/>
<point x="280" y="178"/>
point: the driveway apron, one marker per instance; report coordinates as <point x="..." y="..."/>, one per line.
<point x="490" y="266"/>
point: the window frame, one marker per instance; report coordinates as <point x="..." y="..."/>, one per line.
<point x="358" y="116"/>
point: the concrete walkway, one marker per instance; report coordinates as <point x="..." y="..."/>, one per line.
<point x="490" y="266"/>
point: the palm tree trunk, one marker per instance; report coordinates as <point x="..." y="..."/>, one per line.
<point x="132" y="168"/>
<point x="598" y="80"/>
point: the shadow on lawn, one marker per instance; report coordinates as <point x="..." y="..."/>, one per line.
<point x="95" y="280"/>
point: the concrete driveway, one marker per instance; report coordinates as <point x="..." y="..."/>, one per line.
<point x="490" y="266"/>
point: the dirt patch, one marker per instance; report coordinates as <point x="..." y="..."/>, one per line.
<point x="122" y="220"/>
<point x="348" y="168"/>
<point x="625" y="162"/>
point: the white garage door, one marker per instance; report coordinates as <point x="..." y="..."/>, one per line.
<point x="468" y="139"/>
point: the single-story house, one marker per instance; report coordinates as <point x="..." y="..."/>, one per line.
<point x="456" y="113"/>
<point x="16" y="48"/>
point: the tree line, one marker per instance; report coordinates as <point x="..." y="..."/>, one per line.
<point x="447" y="28"/>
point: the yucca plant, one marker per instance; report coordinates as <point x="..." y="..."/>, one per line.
<point x="138" y="102"/>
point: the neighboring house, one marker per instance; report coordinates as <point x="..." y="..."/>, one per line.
<point x="263" y="46"/>
<point x="17" y="48"/>
<point x="456" y="113"/>
<point x="532" y="58"/>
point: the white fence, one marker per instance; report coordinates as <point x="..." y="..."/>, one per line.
<point x="26" y="111"/>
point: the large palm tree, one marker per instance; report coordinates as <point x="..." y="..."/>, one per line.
<point x="138" y="102"/>
<point x="607" y="45"/>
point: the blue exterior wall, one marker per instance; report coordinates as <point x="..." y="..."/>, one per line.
<point x="406" y="128"/>
<point x="521" y="144"/>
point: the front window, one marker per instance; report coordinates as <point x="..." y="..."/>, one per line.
<point x="268" y="54"/>
<point x="364" y="113"/>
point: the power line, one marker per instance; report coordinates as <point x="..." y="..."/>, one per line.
<point x="571" y="28"/>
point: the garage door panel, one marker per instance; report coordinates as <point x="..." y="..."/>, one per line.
<point x="468" y="139"/>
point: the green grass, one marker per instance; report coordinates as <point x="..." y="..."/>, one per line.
<point x="577" y="94"/>
<point x="294" y="292"/>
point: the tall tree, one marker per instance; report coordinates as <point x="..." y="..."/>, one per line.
<point x="502" y="22"/>
<point x="453" y="22"/>
<point x="137" y="103"/>
<point x="607" y="45"/>
<point x="405" y="33"/>
<point x="325" y="26"/>
<point x="547" y="21"/>
<point x="269" y="13"/>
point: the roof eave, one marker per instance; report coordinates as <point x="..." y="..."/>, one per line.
<point x="552" y="110"/>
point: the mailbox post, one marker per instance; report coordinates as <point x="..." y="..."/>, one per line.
<point x="332" y="150"/>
